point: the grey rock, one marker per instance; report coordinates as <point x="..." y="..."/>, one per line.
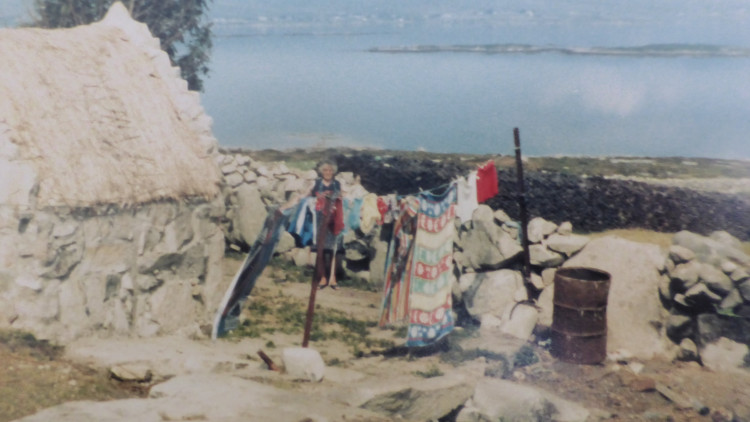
<point x="242" y="160"/>
<point x="131" y="372"/>
<point x="520" y="321"/>
<point x="501" y="217"/>
<point x="484" y="214"/>
<point x="249" y="176"/>
<point x="732" y="300"/>
<point x="744" y="288"/>
<point x="728" y="267"/>
<point x="566" y="244"/>
<point x="715" y="280"/>
<point x="493" y="292"/>
<point x="251" y="213"/>
<point x="679" y="326"/>
<point x="303" y="363"/>
<point x="687" y="351"/>
<point x="155" y="262"/>
<point x="426" y="400"/>
<point x="565" y="228"/>
<point x="229" y="167"/>
<point x="64" y="229"/>
<point x="540" y="256"/>
<point x="700" y="297"/>
<point x="496" y="399"/>
<point x="548" y="276"/>
<point x="685" y="276"/>
<point x="512" y="230"/>
<point x="537" y="281"/>
<point x="539" y="228"/>
<point x="739" y="275"/>
<point x="481" y="246"/>
<point x="665" y="291"/>
<point x="710" y="250"/>
<point x="726" y="239"/>
<point x="492" y="344"/>
<point x="546" y="305"/>
<point x="234" y="179"/>
<point x="724" y="355"/>
<point x="679" y="254"/>
<point x="711" y="326"/>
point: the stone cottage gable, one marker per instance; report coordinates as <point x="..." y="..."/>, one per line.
<point x="110" y="194"/>
<point x="97" y="115"/>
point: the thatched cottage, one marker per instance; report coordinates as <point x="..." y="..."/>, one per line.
<point x="109" y="186"/>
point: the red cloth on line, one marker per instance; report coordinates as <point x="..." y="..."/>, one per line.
<point x="486" y="181"/>
<point x="337" y="210"/>
<point x="382" y="209"/>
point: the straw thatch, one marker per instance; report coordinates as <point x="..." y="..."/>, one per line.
<point x="102" y="117"/>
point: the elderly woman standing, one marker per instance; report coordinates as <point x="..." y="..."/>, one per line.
<point x="329" y="212"/>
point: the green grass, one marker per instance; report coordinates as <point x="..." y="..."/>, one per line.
<point x="268" y="314"/>
<point x="432" y="372"/>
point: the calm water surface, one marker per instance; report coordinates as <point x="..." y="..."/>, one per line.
<point x="285" y="90"/>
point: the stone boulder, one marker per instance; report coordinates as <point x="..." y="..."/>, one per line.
<point x="492" y="292"/>
<point x="248" y="217"/>
<point x="500" y="400"/>
<point x="713" y="250"/>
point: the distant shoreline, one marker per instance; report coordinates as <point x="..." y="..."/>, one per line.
<point x="651" y="50"/>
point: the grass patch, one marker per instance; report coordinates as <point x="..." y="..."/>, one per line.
<point x="268" y="313"/>
<point x="526" y="356"/>
<point x="663" y="240"/>
<point x="432" y="372"/>
<point x="33" y="377"/>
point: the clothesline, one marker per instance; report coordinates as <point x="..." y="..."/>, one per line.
<point x="439" y="187"/>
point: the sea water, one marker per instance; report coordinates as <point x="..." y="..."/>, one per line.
<point x="331" y="86"/>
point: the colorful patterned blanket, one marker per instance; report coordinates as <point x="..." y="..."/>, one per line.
<point x="419" y="268"/>
<point x="430" y="300"/>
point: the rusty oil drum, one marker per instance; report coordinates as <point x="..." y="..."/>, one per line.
<point x="579" y="319"/>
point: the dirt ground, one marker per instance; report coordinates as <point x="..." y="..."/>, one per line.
<point x="34" y="376"/>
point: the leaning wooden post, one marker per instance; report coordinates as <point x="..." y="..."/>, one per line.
<point x="524" y="219"/>
<point x="319" y="269"/>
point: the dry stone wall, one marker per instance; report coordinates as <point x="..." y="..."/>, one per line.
<point x="706" y="289"/>
<point x="589" y="203"/>
<point x="147" y="270"/>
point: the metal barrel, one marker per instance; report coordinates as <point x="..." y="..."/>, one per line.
<point x="579" y="318"/>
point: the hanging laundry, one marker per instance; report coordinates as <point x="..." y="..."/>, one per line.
<point x="227" y="316"/>
<point x="302" y="224"/>
<point x="486" y="181"/>
<point x="430" y="298"/>
<point x="395" y="306"/>
<point x="382" y="209"/>
<point x="369" y="214"/>
<point x="466" y="201"/>
<point x="352" y="208"/>
<point x="392" y="208"/>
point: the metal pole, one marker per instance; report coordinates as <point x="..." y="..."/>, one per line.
<point x="524" y="218"/>
<point x="319" y="269"/>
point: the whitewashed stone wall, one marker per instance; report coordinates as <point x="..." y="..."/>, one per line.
<point x="141" y="271"/>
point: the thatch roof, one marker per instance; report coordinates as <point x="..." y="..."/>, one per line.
<point x="100" y="116"/>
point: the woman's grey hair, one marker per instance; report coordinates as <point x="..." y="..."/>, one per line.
<point x="327" y="162"/>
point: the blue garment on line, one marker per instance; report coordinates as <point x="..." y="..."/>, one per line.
<point x="302" y="225"/>
<point x="352" y="207"/>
